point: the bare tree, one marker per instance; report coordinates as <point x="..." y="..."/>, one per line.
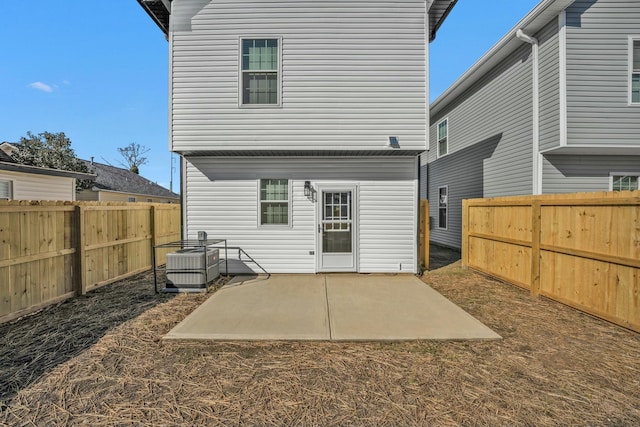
<point x="134" y="156"/>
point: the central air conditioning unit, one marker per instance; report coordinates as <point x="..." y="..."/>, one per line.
<point x="192" y="268"/>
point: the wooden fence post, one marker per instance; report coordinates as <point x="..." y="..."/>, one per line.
<point x="465" y="234"/>
<point x="152" y="228"/>
<point x="536" y="212"/>
<point x="424" y="234"/>
<point x="81" y="278"/>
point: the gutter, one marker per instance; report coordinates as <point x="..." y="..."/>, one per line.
<point x="536" y="187"/>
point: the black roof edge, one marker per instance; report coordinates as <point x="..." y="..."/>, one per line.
<point x="18" y="167"/>
<point x="432" y="35"/>
<point x="159" y="12"/>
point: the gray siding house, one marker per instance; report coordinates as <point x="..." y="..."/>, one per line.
<point x="553" y="107"/>
<point x="300" y="123"/>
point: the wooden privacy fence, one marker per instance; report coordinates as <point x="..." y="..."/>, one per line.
<point x="580" y="249"/>
<point x="424" y="234"/>
<point x="51" y="251"/>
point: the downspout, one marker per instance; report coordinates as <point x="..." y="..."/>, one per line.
<point x="537" y="157"/>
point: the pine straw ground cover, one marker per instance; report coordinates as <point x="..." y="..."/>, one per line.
<point x="555" y="366"/>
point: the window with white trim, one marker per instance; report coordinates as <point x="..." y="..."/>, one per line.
<point x="5" y="190"/>
<point x="443" y="137"/>
<point x="274" y="202"/>
<point x="260" y="71"/>
<point x="635" y="71"/>
<point x="625" y="182"/>
<point x="443" y="204"/>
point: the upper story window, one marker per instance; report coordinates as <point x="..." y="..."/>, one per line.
<point x="624" y="182"/>
<point x="443" y="137"/>
<point x="635" y="71"/>
<point x="260" y="65"/>
<point x="5" y="190"/>
<point x="274" y="202"/>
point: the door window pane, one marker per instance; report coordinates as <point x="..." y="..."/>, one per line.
<point x="337" y="232"/>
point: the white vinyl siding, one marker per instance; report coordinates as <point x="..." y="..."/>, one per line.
<point x="443" y="137"/>
<point x="30" y="186"/>
<point x="274" y="202"/>
<point x="5" y="189"/>
<point x="353" y="73"/>
<point x="222" y="200"/>
<point x="635" y="70"/>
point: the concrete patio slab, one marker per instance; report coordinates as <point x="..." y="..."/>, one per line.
<point x="338" y="307"/>
<point x="396" y="307"/>
<point x="282" y="307"/>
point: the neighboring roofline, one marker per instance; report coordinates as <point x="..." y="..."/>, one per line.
<point x="18" y="167"/>
<point x="96" y="189"/>
<point x="8" y="147"/>
<point x="530" y="24"/>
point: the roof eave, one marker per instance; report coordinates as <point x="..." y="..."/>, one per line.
<point x="18" y="167"/>
<point x="531" y="23"/>
<point x="159" y="11"/>
<point x="438" y="15"/>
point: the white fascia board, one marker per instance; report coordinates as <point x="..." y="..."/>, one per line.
<point x="531" y="23"/>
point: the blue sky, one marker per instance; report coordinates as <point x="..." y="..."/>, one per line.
<point x="97" y="71"/>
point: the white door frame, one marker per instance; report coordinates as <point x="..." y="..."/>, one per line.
<point x="337" y="187"/>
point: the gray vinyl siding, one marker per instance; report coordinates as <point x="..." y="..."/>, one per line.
<point x="569" y="174"/>
<point x="463" y="173"/>
<point x="597" y="72"/>
<point x="353" y="74"/>
<point x="222" y="199"/>
<point x="549" y="63"/>
<point x="498" y="110"/>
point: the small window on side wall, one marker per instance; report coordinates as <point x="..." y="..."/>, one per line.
<point x="5" y="190"/>
<point x="132" y="199"/>
<point x="635" y="71"/>
<point x="443" y="205"/>
<point x="625" y="182"/>
<point x="274" y="202"/>
<point x="443" y="137"/>
<point x="260" y="67"/>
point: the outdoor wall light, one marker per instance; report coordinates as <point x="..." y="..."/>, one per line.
<point x="393" y="142"/>
<point x="307" y="188"/>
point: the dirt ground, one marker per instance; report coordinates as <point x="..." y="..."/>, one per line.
<point x="99" y="360"/>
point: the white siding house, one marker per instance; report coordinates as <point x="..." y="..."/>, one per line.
<point x="553" y="107"/>
<point x="300" y="123"/>
<point x="22" y="182"/>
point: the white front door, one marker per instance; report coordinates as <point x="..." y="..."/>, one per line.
<point x="337" y="229"/>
